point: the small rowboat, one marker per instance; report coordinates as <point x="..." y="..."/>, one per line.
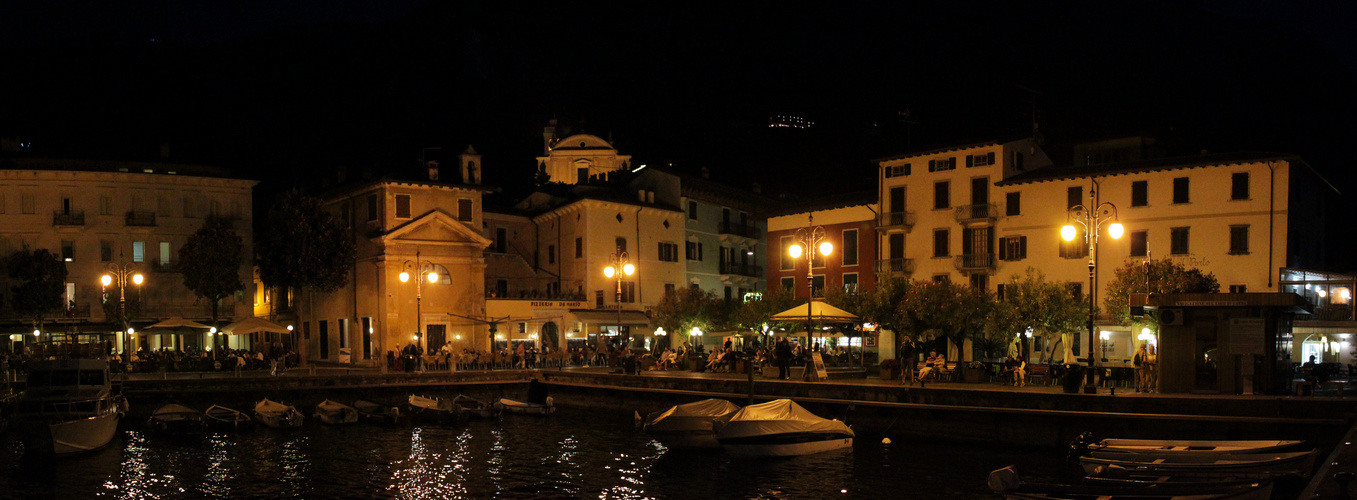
<point x="1172" y="446"/>
<point x="278" y="415"/>
<point x="174" y="419"/>
<point x="689" y="426"/>
<point x="332" y="413"/>
<point x="1256" y="465"/>
<point x="376" y="413"/>
<point x="225" y="419"/>
<point x="1006" y="482"/>
<point x="433" y="410"/>
<point x="524" y="408"/>
<point x="473" y="407"/>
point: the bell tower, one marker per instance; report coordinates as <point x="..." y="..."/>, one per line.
<point x="471" y="165"/>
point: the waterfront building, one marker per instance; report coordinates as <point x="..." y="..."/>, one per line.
<point x="97" y="213"/>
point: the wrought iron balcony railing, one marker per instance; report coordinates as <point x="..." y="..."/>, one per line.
<point x="71" y="218"/>
<point x="738" y="229"/>
<point x="164" y="266"/>
<point x="741" y="269"/>
<point x="140" y="218"/>
<point x="971" y="213"/>
<point x="895" y="266"/>
<point x="895" y="220"/>
<point x="973" y="261"/>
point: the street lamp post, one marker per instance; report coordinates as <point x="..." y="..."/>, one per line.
<point x="619" y="264"/>
<point x="1092" y="219"/>
<point x="121" y="274"/>
<point x="811" y="236"/>
<point x="419" y="266"/>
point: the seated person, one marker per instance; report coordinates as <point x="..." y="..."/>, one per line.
<point x="714" y="360"/>
<point x="1019" y="371"/>
<point x="930" y="366"/>
<point x="1307" y="370"/>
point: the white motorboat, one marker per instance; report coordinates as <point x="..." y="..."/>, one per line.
<point x="333" y="413"/>
<point x="67" y="407"/>
<point x="780" y="428"/>
<point x="227" y="419"/>
<point x="176" y="419"/>
<point x="378" y="413"/>
<point x="689" y="425"/>
<point x="433" y="410"/>
<point x="525" y="408"/>
<point x="278" y="415"/>
<point x="1244" y="465"/>
<point x="1188" y="446"/>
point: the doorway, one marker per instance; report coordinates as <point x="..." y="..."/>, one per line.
<point x="436" y="336"/>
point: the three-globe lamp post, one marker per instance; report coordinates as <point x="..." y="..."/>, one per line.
<point x="811" y="236"/>
<point x="432" y="276"/>
<point x="618" y="265"/>
<point x="121" y="275"/>
<point x="1092" y="219"/>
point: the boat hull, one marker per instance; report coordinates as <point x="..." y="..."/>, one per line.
<point x="68" y="437"/>
<point x="1192" y="447"/>
<point x="220" y="418"/>
<point x="337" y="417"/>
<point x="1224" y="465"/>
<point x="687" y="440"/>
<point x="521" y="408"/>
<point x="775" y="448"/>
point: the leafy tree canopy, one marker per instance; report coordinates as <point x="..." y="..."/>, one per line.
<point x="304" y="246"/>
<point x="678" y="312"/>
<point x="1154" y="276"/>
<point x="945" y="310"/>
<point x="1030" y="302"/>
<point x="41" y="282"/>
<point x="210" y="261"/>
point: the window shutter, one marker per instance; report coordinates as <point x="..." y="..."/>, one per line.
<point x="1022" y="247"/>
<point x="888" y="171"/>
<point x="907" y="168"/>
<point x="1003" y="249"/>
<point x="970" y="161"/>
<point x="932" y="165"/>
<point x="990" y="157"/>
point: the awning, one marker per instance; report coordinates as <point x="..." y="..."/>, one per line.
<point x="820" y="311"/>
<point x="611" y="317"/>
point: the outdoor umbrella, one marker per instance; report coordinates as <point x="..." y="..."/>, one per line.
<point x="816" y="310"/>
<point x="175" y="326"/>
<point x="253" y="325"/>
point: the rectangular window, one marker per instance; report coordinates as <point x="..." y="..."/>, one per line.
<point x="850" y="247"/>
<point x="979" y="160"/>
<point x="980" y="281"/>
<point x="788" y="284"/>
<point x="942" y="278"/>
<point x="693" y="250"/>
<point x="940" y="243"/>
<point x="1076" y="248"/>
<point x="1074" y="196"/>
<point x="629" y="291"/>
<point x="138" y="251"/>
<point x="668" y="289"/>
<point x="999" y="291"/>
<point x="621" y="244"/>
<point x="464" y="210"/>
<point x="551" y="254"/>
<point x="372" y="208"/>
<point x="692" y="210"/>
<point x="582" y="175"/>
<point x="942" y="195"/>
<point x="728" y="293"/>
<point x="366" y="325"/>
<point x="1076" y="290"/>
<point x="1140" y="193"/>
<point x="1239" y="186"/>
<point x="942" y="165"/>
<point x="850" y="282"/>
<point x="897" y="170"/>
<point x="1013" y="248"/>
<point x="343" y="333"/>
<point x="105" y="251"/>
<point x="67" y="251"/>
<point x="1180" y="190"/>
<point x="598" y="299"/>
<point x="165" y="252"/>
<point x="787" y="261"/>
<point x="402" y="206"/>
<point x="1017" y="161"/>
<point x="668" y="252"/>
<point x="817" y="288"/>
<point x="522" y="327"/>
<point x="28" y="205"/>
<point x="1239" y="289"/>
<point x="1178" y="241"/>
<point x="1013" y="206"/>
<point x="579" y="248"/>
<point x="1140" y="246"/>
<point x="105" y="205"/>
<point x="1239" y="240"/>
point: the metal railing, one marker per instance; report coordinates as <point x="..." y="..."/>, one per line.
<point x="975" y="261"/>
<point x="1330" y="313"/>
<point x="140" y="218"/>
<point x="983" y="211"/>
<point x="741" y="269"/>
<point x="71" y="218"/>
<point x="170" y="266"/>
<point x="893" y="220"/>
<point x="738" y="229"/>
<point x="895" y="266"/>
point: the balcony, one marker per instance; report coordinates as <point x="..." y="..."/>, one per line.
<point x="168" y="266"/>
<point x="975" y="261"/>
<point x="1330" y="313"/>
<point x="71" y="218"/>
<point x="144" y="219"/>
<point x="75" y="310"/>
<point x="741" y="269"/>
<point x="738" y="229"/>
<point x="976" y="213"/>
<point x="895" y="220"/>
<point x="895" y="266"/>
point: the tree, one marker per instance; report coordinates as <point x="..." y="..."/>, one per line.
<point x="756" y="316"/>
<point x="1153" y="276"/>
<point x="41" y="278"/>
<point x="938" y="310"/>
<point x="303" y="246"/>
<point x="210" y="262"/>
<point x="1046" y="308"/>
<point x="685" y="308"/>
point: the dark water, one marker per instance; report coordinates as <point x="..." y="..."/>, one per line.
<point x="575" y="454"/>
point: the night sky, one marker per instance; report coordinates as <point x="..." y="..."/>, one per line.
<point x="302" y="87"/>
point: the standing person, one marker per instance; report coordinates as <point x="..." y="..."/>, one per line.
<point x="783" y="352"/>
<point x="521" y="355"/>
<point x="1152" y="370"/>
<point x="907" y="360"/>
<point x="1142" y="369"/>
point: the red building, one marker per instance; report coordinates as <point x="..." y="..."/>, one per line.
<point x="849" y="225"/>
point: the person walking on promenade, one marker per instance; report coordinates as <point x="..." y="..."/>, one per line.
<point x="783" y="352"/>
<point x="1142" y="369"/>
<point x="907" y="360"/>
<point x="1152" y="370"/>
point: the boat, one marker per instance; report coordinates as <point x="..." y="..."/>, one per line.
<point x="1231" y="465"/>
<point x="174" y="419"/>
<point x="433" y="410"/>
<point x="525" y="408"/>
<point x="1005" y="481"/>
<point x="333" y="413"/>
<point x="689" y="425"/>
<point x="780" y="428"/>
<point x="222" y="418"/>
<point x="278" y="415"/>
<point x="1186" y="446"/>
<point x="473" y="407"/>
<point x="68" y="407"/>
<point x="377" y="413"/>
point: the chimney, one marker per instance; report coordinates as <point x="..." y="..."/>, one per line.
<point x="471" y="165"/>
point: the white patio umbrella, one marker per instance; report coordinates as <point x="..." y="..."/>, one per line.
<point x="253" y="325"/>
<point x="175" y="326"/>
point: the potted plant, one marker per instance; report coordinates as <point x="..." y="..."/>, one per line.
<point x="890" y="369"/>
<point x="975" y="370"/>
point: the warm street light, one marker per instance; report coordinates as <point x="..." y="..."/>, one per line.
<point x="1092" y="219"/>
<point x="121" y="274"/>
<point x="432" y="276"/>
<point x="811" y="236"/>
<point x="619" y="262"/>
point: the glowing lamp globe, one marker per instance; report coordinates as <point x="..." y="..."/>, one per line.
<point x="794" y="251"/>
<point x="106" y="280"/>
<point x="1115" y="230"/>
<point x="826" y="248"/>
<point x="629" y="269"/>
<point x="609" y="271"/>
<point x="1067" y="232"/>
<point x="433" y="277"/>
<point x="405" y="276"/>
<point x="137" y="278"/>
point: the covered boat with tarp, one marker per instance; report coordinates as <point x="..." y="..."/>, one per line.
<point x="780" y="428"/>
<point x="689" y="425"/>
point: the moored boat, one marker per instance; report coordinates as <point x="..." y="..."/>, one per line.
<point x="174" y="419"/>
<point x="278" y="415"/>
<point x="222" y="418"/>
<point x="333" y="413"/>
<point x="376" y="413"/>
<point x="689" y="425"/>
<point x="1192" y="446"/>
<point x="780" y="428"/>
<point x="1006" y="482"/>
<point x="525" y="408"/>
<point x="68" y="407"/>
<point x="433" y="410"/>
<point x="1243" y="465"/>
<point x="473" y="407"/>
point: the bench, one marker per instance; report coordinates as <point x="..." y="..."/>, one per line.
<point x="1302" y="384"/>
<point x="1040" y="372"/>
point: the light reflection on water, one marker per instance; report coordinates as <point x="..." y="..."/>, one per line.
<point x="571" y="455"/>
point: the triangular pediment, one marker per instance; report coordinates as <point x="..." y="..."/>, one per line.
<point x="435" y="227"/>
